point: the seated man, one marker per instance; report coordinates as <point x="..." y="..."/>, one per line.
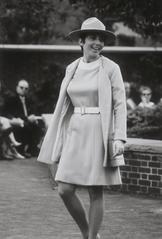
<point x="19" y="106"/>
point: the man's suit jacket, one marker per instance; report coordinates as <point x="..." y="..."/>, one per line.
<point x="13" y="107"/>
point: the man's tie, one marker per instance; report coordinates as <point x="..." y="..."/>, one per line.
<point x="24" y="105"/>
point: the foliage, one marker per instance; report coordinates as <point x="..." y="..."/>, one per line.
<point x="49" y="21"/>
<point x="145" y="122"/>
<point x="45" y="92"/>
<point x="38" y="22"/>
<point x="144" y="17"/>
<point x="146" y="69"/>
<point x="24" y="21"/>
<point x="67" y="17"/>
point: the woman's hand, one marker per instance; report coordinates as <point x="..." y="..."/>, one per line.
<point x="33" y="119"/>
<point x="17" y="122"/>
<point x="118" y="147"/>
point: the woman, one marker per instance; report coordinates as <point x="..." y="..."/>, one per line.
<point x="8" y="142"/>
<point x="87" y="132"/>
<point x="146" y="94"/>
<point x="129" y="101"/>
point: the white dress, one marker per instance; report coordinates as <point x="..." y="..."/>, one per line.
<point x="82" y="156"/>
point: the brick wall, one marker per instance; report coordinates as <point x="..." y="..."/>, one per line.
<point x="143" y="170"/>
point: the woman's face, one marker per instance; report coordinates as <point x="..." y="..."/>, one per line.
<point x="92" y="47"/>
<point x="146" y="96"/>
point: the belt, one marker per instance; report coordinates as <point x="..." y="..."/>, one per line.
<point x="86" y="110"/>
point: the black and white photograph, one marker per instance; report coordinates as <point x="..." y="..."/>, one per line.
<point x="80" y="119"/>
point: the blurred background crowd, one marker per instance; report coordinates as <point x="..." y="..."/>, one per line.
<point x="144" y="116"/>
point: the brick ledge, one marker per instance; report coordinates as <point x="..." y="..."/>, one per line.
<point x="144" y="145"/>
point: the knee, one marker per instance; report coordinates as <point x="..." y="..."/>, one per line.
<point x="96" y="193"/>
<point x="65" y="190"/>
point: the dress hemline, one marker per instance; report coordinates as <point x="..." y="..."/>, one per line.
<point x="88" y="185"/>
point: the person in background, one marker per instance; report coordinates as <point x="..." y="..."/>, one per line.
<point x="8" y="142"/>
<point x="6" y="124"/>
<point x="87" y="132"/>
<point x="19" y="106"/>
<point x="145" y="95"/>
<point x="159" y="103"/>
<point x="131" y="105"/>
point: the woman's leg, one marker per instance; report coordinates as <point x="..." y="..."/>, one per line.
<point x="13" y="140"/>
<point x="74" y="206"/>
<point x="95" y="211"/>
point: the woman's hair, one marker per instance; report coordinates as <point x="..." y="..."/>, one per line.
<point x="82" y="38"/>
<point x="143" y="88"/>
<point x="84" y="35"/>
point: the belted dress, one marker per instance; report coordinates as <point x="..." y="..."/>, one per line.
<point x="81" y="160"/>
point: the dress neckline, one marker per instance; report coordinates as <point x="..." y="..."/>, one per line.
<point x="89" y="65"/>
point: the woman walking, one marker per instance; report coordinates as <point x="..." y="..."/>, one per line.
<point x="87" y="132"/>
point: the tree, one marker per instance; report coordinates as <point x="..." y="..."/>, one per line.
<point x="49" y="21"/>
<point x="39" y="21"/>
<point x="144" y="17"/>
<point x="25" y="21"/>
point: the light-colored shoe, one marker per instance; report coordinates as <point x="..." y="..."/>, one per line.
<point x="98" y="236"/>
<point x="16" y="144"/>
<point x="19" y="156"/>
<point x="15" y="154"/>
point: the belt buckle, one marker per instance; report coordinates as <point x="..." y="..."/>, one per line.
<point x="82" y="110"/>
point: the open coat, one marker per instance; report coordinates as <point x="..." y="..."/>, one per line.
<point x="112" y="105"/>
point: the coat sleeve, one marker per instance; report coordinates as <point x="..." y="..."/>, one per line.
<point x="119" y="104"/>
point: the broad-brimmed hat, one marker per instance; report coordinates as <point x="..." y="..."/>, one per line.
<point x="93" y="25"/>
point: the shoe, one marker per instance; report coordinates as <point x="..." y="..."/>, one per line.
<point x="16" y="144"/>
<point x="6" y="157"/>
<point x="19" y="156"/>
<point x="23" y="152"/>
<point x="97" y="237"/>
<point x="33" y="152"/>
<point x="15" y="153"/>
<point x="27" y="155"/>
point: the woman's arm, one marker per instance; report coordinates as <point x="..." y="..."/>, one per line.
<point x="118" y="104"/>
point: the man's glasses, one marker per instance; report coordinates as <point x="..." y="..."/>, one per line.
<point x="23" y="88"/>
<point x="144" y="94"/>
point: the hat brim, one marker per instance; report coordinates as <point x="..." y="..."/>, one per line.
<point x="108" y="35"/>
